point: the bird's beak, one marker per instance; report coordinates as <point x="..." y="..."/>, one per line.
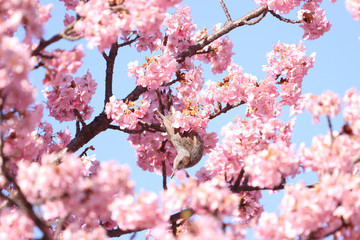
<point x="172" y="175"/>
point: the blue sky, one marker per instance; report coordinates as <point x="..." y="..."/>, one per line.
<point x="336" y="68"/>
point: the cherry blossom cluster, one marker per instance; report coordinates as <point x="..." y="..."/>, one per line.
<point x="74" y="232"/>
<point x="15" y="224"/>
<point x="203" y="227"/>
<point x="289" y="61"/>
<point x="270" y="167"/>
<point x="327" y="155"/>
<point x="126" y="114"/>
<point x="145" y="212"/>
<point x="353" y="6"/>
<point x="280" y="6"/>
<point x="248" y="143"/>
<point x="102" y="21"/>
<point x="314" y="21"/>
<point x="16" y="90"/>
<point x="331" y="204"/>
<point x="67" y="61"/>
<point x="64" y="190"/>
<point x="211" y="200"/>
<point x="219" y="54"/>
<point x="71" y="94"/>
<point x="155" y="72"/>
<point x="27" y="12"/>
<point x="151" y="150"/>
<point x="179" y="30"/>
<point x="70" y="4"/>
<point x="351" y="110"/>
<point x="328" y="103"/>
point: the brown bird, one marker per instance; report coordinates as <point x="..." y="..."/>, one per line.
<point x="189" y="145"/>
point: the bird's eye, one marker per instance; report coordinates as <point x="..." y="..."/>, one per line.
<point x="186" y="160"/>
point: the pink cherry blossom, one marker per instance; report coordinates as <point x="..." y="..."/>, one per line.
<point x="103" y="21"/>
<point x="44" y="13"/>
<point x="328" y="103"/>
<point x="151" y="152"/>
<point x="144" y="212"/>
<point x="290" y="62"/>
<point x="269" y="167"/>
<point x="15" y="224"/>
<point x="73" y="231"/>
<point x="327" y="155"/>
<point x="220" y="53"/>
<point x="179" y="30"/>
<point x="353" y="6"/>
<point x="314" y="21"/>
<point x="71" y="94"/>
<point x="280" y="6"/>
<point x="155" y="72"/>
<point x="67" y="61"/>
<point x="243" y="139"/>
<point x="323" y="209"/>
<point x="70" y="4"/>
<point x="351" y="111"/>
<point x="126" y="114"/>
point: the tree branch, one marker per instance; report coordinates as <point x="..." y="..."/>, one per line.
<point x="43" y="44"/>
<point x="225" y="109"/>
<point x="110" y="62"/>
<point x="225" y="10"/>
<point x="284" y="19"/>
<point x="190" y="51"/>
<point x="247" y="188"/>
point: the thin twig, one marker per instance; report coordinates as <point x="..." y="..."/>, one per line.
<point x="79" y="117"/>
<point x="69" y="29"/>
<point x="284" y="19"/>
<point x="161" y="105"/>
<point x="164" y="174"/>
<point x="330" y="129"/>
<point x="247" y="188"/>
<point x="256" y="20"/>
<point x="190" y="51"/>
<point x="225" y="109"/>
<point x="312" y="235"/>
<point x="225" y="10"/>
<point x="59" y="227"/>
<point x="128" y="42"/>
<point x="43" y="44"/>
<point x="235" y="186"/>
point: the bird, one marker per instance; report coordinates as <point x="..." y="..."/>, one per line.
<point x="188" y="145"/>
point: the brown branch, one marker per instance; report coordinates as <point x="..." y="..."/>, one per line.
<point x="79" y="118"/>
<point x="98" y="125"/>
<point x="69" y="29"/>
<point x="225" y="109"/>
<point x="43" y="44"/>
<point x="284" y="19"/>
<point x="59" y="227"/>
<point x="225" y="10"/>
<point x="313" y="234"/>
<point x="256" y="20"/>
<point x="190" y="51"/>
<point x="110" y="62"/>
<point x="164" y="174"/>
<point x="247" y="188"/>
<point x="330" y="129"/>
<point x="235" y="186"/>
<point x="128" y="42"/>
<point x="23" y="204"/>
<point x="118" y="232"/>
